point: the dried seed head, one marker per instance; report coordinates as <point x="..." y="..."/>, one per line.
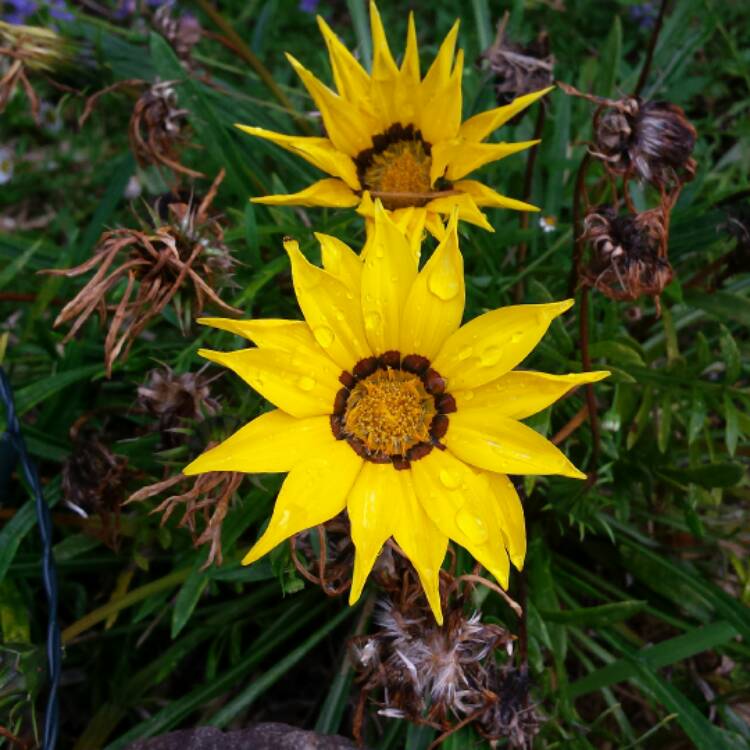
<point x="519" y="70"/>
<point x="206" y="499"/>
<point x="628" y="253"/>
<point x="183" y="32"/>
<point x="651" y="140"/>
<point x="172" y="398"/>
<point x="158" y="128"/>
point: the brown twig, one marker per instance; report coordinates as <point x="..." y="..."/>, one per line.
<point x="590" y="396"/>
<point x="651" y="47"/>
<point x="573" y="424"/>
<point x="578" y="242"/>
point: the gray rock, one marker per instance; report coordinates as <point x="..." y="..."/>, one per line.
<point x="268" y="736"/>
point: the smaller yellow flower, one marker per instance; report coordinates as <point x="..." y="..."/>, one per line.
<point x="389" y="408"/>
<point x="397" y="137"/>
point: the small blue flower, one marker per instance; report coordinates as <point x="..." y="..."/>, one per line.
<point x="308" y="6"/>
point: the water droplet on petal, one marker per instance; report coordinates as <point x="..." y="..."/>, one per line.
<point x="444" y="282"/>
<point x="467" y="395"/>
<point x="372" y="320"/>
<point x="450" y="479"/>
<point x="306" y="383"/>
<point x="465" y="353"/>
<point x="516" y="337"/>
<point x="324" y="336"/>
<point x="471" y="525"/>
<point x="490" y="356"/>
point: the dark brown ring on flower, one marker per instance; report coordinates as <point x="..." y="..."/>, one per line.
<point x="432" y="382"/>
<point x="394" y="134"/>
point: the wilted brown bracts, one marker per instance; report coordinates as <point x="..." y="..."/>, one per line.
<point x="172" y="398"/>
<point x="206" y="502"/>
<point x="157" y="128"/>
<point x="156" y="265"/>
<point x="627" y="253"/>
<point x="518" y="70"/>
<point x="183" y="32"/>
<point x="444" y="676"/>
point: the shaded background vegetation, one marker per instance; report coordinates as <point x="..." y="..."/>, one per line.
<point x="636" y="586"/>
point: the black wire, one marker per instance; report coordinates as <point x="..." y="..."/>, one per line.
<point x="49" y="573"/>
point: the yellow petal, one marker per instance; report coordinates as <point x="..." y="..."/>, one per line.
<point x="410" y="63"/>
<point x="494" y="343"/>
<point x="461" y="506"/>
<point x="440" y="71"/>
<point x="314" y="491"/>
<point x="422" y="542"/>
<point x="488" y="441"/>
<point x="456" y="158"/>
<point x="389" y="272"/>
<point x="329" y="192"/>
<point x="477" y="128"/>
<point x="341" y="261"/>
<point x="320" y="152"/>
<point x="332" y="311"/>
<point x="467" y="209"/>
<point x="352" y="80"/>
<point x="290" y="382"/>
<point x="520" y="393"/>
<point x="373" y="503"/>
<point x="349" y="127"/>
<point x="434" y="224"/>
<point x="435" y="303"/>
<point x="485" y="196"/>
<point x="510" y="516"/>
<point x="440" y="117"/>
<point x="272" y="442"/>
<point x="383" y="64"/>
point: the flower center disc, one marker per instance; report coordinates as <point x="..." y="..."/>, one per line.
<point x="399" y="174"/>
<point x="390" y="411"/>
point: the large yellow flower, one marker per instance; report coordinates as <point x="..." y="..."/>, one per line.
<point x="396" y="136"/>
<point x="388" y="407"/>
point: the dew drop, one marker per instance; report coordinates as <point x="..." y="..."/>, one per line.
<point x="324" y="336"/>
<point x="490" y="356"/>
<point x="472" y="526"/>
<point x="467" y="395"/>
<point x="516" y="337"/>
<point x="443" y="282"/>
<point x="450" y="479"/>
<point x="465" y="353"/>
<point x="372" y="320"/>
<point x="306" y="383"/>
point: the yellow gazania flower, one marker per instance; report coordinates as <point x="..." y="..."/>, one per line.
<point x="396" y="136"/>
<point x="388" y="407"/>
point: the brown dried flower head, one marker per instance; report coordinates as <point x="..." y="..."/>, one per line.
<point x="157" y="128"/>
<point x="172" y="398"/>
<point x="628" y="253"/>
<point x="183" y="32"/>
<point x="187" y="257"/>
<point x="518" y="70"/>
<point x="206" y="499"/>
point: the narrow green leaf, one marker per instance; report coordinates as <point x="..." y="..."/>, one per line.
<point x="723" y="305"/>
<point x="187" y="598"/>
<point x="609" y="67"/>
<point x="732" y="425"/>
<point x="17" y="265"/>
<point x="604" y="614"/>
<point x="31" y="395"/>
<point x="697" y="415"/>
<point x="665" y="421"/>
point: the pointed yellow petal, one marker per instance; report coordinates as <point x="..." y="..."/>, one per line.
<point x="383" y="64"/>
<point x="373" y="503"/>
<point x="330" y="192"/>
<point x="456" y="158"/>
<point x="434" y="224"/>
<point x="349" y="127"/>
<point x="320" y="152"/>
<point x="314" y="491"/>
<point x="510" y="517"/>
<point x="461" y="506"/>
<point x="332" y="311"/>
<point x="520" y="393"/>
<point x="503" y="445"/>
<point x="293" y="383"/>
<point x="352" y="80"/>
<point x="422" y="542"/>
<point x="272" y="442"/>
<point x="389" y="272"/>
<point x="494" y="343"/>
<point x="467" y="209"/>
<point x="410" y="63"/>
<point x="341" y="261"/>
<point x="440" y="117"/>
<point x="477" y="128"/>
<point x="436" y="301"/>
<point x="440" y="70"/>
<point x="486" y="196"/>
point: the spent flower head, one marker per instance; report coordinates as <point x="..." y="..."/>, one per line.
<point x="396" y="136"/>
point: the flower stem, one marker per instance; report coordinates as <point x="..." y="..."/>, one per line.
<point x="651" y="47"/>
